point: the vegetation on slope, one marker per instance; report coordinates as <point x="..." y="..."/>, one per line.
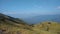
<point x="10" y="25"/>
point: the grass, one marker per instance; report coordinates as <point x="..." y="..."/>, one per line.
<point x="54" y="28"/>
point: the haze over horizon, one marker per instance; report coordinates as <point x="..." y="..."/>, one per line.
<point x="25" y="8"/>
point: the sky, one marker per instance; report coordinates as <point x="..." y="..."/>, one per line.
<point x="29" y="8"/>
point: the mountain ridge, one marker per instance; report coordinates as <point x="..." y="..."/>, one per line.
<point x="42" y="18"/>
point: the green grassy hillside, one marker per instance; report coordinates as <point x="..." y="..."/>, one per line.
<point x="47" y="27"/>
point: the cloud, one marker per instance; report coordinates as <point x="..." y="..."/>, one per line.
<point x="28" y="13"/>
<point x="37" y="6"/>
<point x="58" y="7"/>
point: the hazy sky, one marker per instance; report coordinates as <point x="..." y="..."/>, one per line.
<point x="24" y="8"/>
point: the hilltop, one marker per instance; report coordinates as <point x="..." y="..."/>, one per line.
<point x="52" y="27"/>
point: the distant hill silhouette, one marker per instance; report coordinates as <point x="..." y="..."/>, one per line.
<point x="41" y="18"/>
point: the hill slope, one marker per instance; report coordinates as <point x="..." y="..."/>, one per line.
<point x="10" y="25"/>
<point x="52" y="27"/>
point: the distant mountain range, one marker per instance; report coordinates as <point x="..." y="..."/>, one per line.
<point x="42" y="18"/>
